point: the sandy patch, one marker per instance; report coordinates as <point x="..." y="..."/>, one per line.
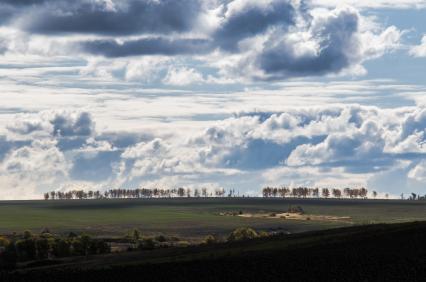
<point x="291" y="216"/>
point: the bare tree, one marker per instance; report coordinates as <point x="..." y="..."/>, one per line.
<point x="196" y="193"/>
<point x="325" y="192"/>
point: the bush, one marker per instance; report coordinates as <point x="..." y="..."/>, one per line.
<point x="4" y="242"/>
<point x="8" y="257"/>
<point x="80" y="245"/>
<point x="183" y="244"/>
<point x="27" y="234"/>
<point x="99" y="247"/>
<point x="61" y="248"/>
<point x="77" y="248"/>
<point x="242" y="233"/>
<point x="42" y="246"/>
<point x="147" y="244"/>
<point x="210" y="239"/>
<point x="135" y="234"/>
<point x="45" y="233"/>
<point x="102" y="247"/>
<point x="161" y="238"/>
<point x="296" y="209"/>
<point x="174" y="239"/>
<point x="263" y="234"/>
<point x="72" y="235"/>
<point x="26" y="249"/>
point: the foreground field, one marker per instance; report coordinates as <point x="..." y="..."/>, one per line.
<point x="195" y="217"/>
<point x="394" y="252"/>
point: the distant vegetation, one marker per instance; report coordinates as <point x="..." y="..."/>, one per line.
<point x="267" y="192"/>
<point x="32" y="248"/>
<point x="241" y="234"/>
<point x="306" y="192"/>
<point x="137" y="193"/>
<point x="337" y="193"/>
<point x="181" y="192"/>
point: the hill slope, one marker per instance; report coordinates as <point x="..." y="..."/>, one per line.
<point x="394" y="252"/>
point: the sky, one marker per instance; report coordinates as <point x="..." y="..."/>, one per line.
<point x="99" y="94"/>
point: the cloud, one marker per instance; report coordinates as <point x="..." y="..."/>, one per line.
<point x="145" y="149"/>
<point x="79" y="124"/>
<point x="418" y="172"/>
<point x="355" y="138"/>
<point x="95" y="166"/>
<point x="415" y="122"/>
<point x="54" y="123"/>
<point x="241" y="19"/>
<point x="361" y="147"/>
<point x="342" y="142"/>
<point x="31" y="168"/>
<point x="226" y="40"/>
<point x="369" y="143"/>
<point x="7" y="145"/>
<point x="378" y="4"/>
<point x="326" y="42"/>
<point x="419" y="50"/>
<point x="110" y="17"/>
<point x="27" y="171"/>
<point x="146" y="46"/>
<point x="3" y="45"/>
<point x="22" y="2"/>
<point x="183" y="76"/>
<point x="338" y="43"/>
<point x="40" y="161"/>
<point x="308" y="145"/>
<point x="147" y="69"/>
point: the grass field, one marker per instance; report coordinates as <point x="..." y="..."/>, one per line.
<point x="193" y="218"/>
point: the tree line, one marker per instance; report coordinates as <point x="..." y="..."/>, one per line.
<point x="138" y="193"/>
<point x="415" y="197"/>
<point x="307" y="192"/>
<point x="32" y="247"/>
<point x="181" y="192"/>
<point x="29" y="247"/>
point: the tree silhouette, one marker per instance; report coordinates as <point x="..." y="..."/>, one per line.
<point x="325" y="192"/>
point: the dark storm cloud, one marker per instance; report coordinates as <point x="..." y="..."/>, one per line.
<point x="252" y="20"/>
<point x="6" y="14"/>
<point x="320" y="44"/>
<point x="22" y="2"/>
<point x="337" y="40"/>
<point x="11" y="9"/>
<point x="124" y="18"/>
<point x="146" y="46"/>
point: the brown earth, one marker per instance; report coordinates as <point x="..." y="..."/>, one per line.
<point x="291" y="216"/>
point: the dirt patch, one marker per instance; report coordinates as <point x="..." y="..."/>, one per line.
<point x="291" y="216"/>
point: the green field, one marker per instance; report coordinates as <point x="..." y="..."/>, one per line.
<point x="195" y="217"/>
